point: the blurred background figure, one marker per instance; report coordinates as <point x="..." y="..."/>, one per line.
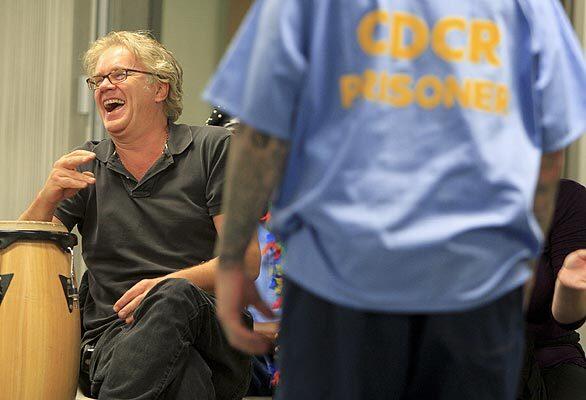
<point x="407" y="142"/>
<point x="269" y="284"/>
<point x="555" y="366"/>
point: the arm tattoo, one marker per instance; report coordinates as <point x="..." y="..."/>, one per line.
<point x="259" y="140"/>
<point x="545" y="193"/>
<point x="544" y="205"/>
<point x="255" y="166"/>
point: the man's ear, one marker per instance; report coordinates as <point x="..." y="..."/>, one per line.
<point x="162" y="92"/>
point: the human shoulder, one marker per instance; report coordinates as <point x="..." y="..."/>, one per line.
<point x="570" y="207"/>
<point x="101" y="148"/>
<point x="209" y="143"/>
<point x="533" y="8"/>
<point x="90" y="145"/>
<point x="571" y="192"/>
<point x="546" y="19"/>
<point x="210" y="133"/>
<point x="210" y="138"/>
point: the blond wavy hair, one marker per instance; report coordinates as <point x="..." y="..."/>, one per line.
<point x="153" y="56"/>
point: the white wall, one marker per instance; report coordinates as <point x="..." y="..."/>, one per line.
<point x="576" y="162"/>
<point x="40" y="47"/>
<point x="36" y="98"/>
<point x="193" y="31"/>
<point x="576" y="155"/>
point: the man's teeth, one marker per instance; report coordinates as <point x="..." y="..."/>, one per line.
<point x="111" y="104"/>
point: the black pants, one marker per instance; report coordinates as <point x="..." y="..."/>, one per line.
<point x="565" y="382"/>
<point x="333" y="352"/>
<point x="175" y="349"/>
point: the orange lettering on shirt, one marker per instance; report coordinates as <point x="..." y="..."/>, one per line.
<point x="350" y="89"/>
<point x="439" y="38"/>
<point x="485" y="37"/>
<point x="366" y="30"/>
<point x="428" y="91"/>
<point x="401" y="23"/>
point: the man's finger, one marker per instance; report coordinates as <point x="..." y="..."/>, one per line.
<point x="128" y="296"/>
<point x="129" y="309"/>
<point x="73" y="174"/>
<point x="69" y="183"/>
<point x="80" y="153"/>
<point x="73" y="161"/>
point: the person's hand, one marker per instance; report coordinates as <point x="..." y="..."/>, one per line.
<point x="234" y="291"/>
<point x="573" y="272"/>
<point x="130" y="300"/>
<point x="64" y="180"/>
<point x="569" y="297"/>
<point x="268" y="329"/>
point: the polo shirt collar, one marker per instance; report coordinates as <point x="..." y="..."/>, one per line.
<point x="180" y="137"/>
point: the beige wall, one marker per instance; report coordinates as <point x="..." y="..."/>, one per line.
<point x="576" y="155"/>
<point x="576" y="162"/>
<point x="40" y="46"/>
<point x="129" y="15"/>
<point x="192" y="30"/>
<point x="36" y="97"/>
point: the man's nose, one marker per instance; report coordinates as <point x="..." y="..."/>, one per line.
<point x="105" y="84"/>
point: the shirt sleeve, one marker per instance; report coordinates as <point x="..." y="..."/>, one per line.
<point x="568" y="231"/>
<point x="71" y="211"/>
<point x="217" y="158"/>
<point x="260" y="78"/>
<point x="560" y="76"/>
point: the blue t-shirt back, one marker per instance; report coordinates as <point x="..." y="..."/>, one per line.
<point x="416" y="129"/>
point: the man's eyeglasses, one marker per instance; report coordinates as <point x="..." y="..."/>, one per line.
<point x="116" y="76"/>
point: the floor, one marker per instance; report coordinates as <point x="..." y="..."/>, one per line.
<point x="82" y="397"/>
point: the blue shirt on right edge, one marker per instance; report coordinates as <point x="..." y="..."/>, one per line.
<point x="416" y="130"/>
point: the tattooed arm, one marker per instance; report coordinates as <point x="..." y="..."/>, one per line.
<point x="255" y="166"/>
<point x="544" y="202"/>
<point x="545" y="193"/>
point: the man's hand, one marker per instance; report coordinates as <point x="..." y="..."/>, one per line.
<point x="569" y="299"/>
<point x="234" y="291"/>
<point x="130" y="300"/>
<point x="64" y="180"/>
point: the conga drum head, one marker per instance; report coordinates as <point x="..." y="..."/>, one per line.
<point x="39" y="312"/>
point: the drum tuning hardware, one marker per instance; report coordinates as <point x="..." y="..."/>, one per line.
<point x="70" y="292"/>
<point x="4" y="283"/>
<point x="69" y="286"/>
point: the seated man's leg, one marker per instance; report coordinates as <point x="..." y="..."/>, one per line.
<point x="194" y="382"/>
<point x="174" y="320"/>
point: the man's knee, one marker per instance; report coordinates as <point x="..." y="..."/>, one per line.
<point x="176" y="294"/>
<point x="172" y="286"/>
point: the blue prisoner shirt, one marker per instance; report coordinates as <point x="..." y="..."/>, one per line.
<point x="416" y="130"/>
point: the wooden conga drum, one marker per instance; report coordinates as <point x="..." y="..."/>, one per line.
<point x="39" y="312"/>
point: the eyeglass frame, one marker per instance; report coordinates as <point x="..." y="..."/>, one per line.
<point x="107" y="76"/>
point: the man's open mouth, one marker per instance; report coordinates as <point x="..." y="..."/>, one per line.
<point x="112" y="104"/>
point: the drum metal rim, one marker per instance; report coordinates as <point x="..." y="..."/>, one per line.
<point x="65" y="240"/>
<point x="32" y="225"/>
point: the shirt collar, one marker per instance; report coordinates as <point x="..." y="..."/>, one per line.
<point x="180" y="137"/>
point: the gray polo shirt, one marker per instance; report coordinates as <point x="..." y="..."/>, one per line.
<point x="136" y="230"/>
